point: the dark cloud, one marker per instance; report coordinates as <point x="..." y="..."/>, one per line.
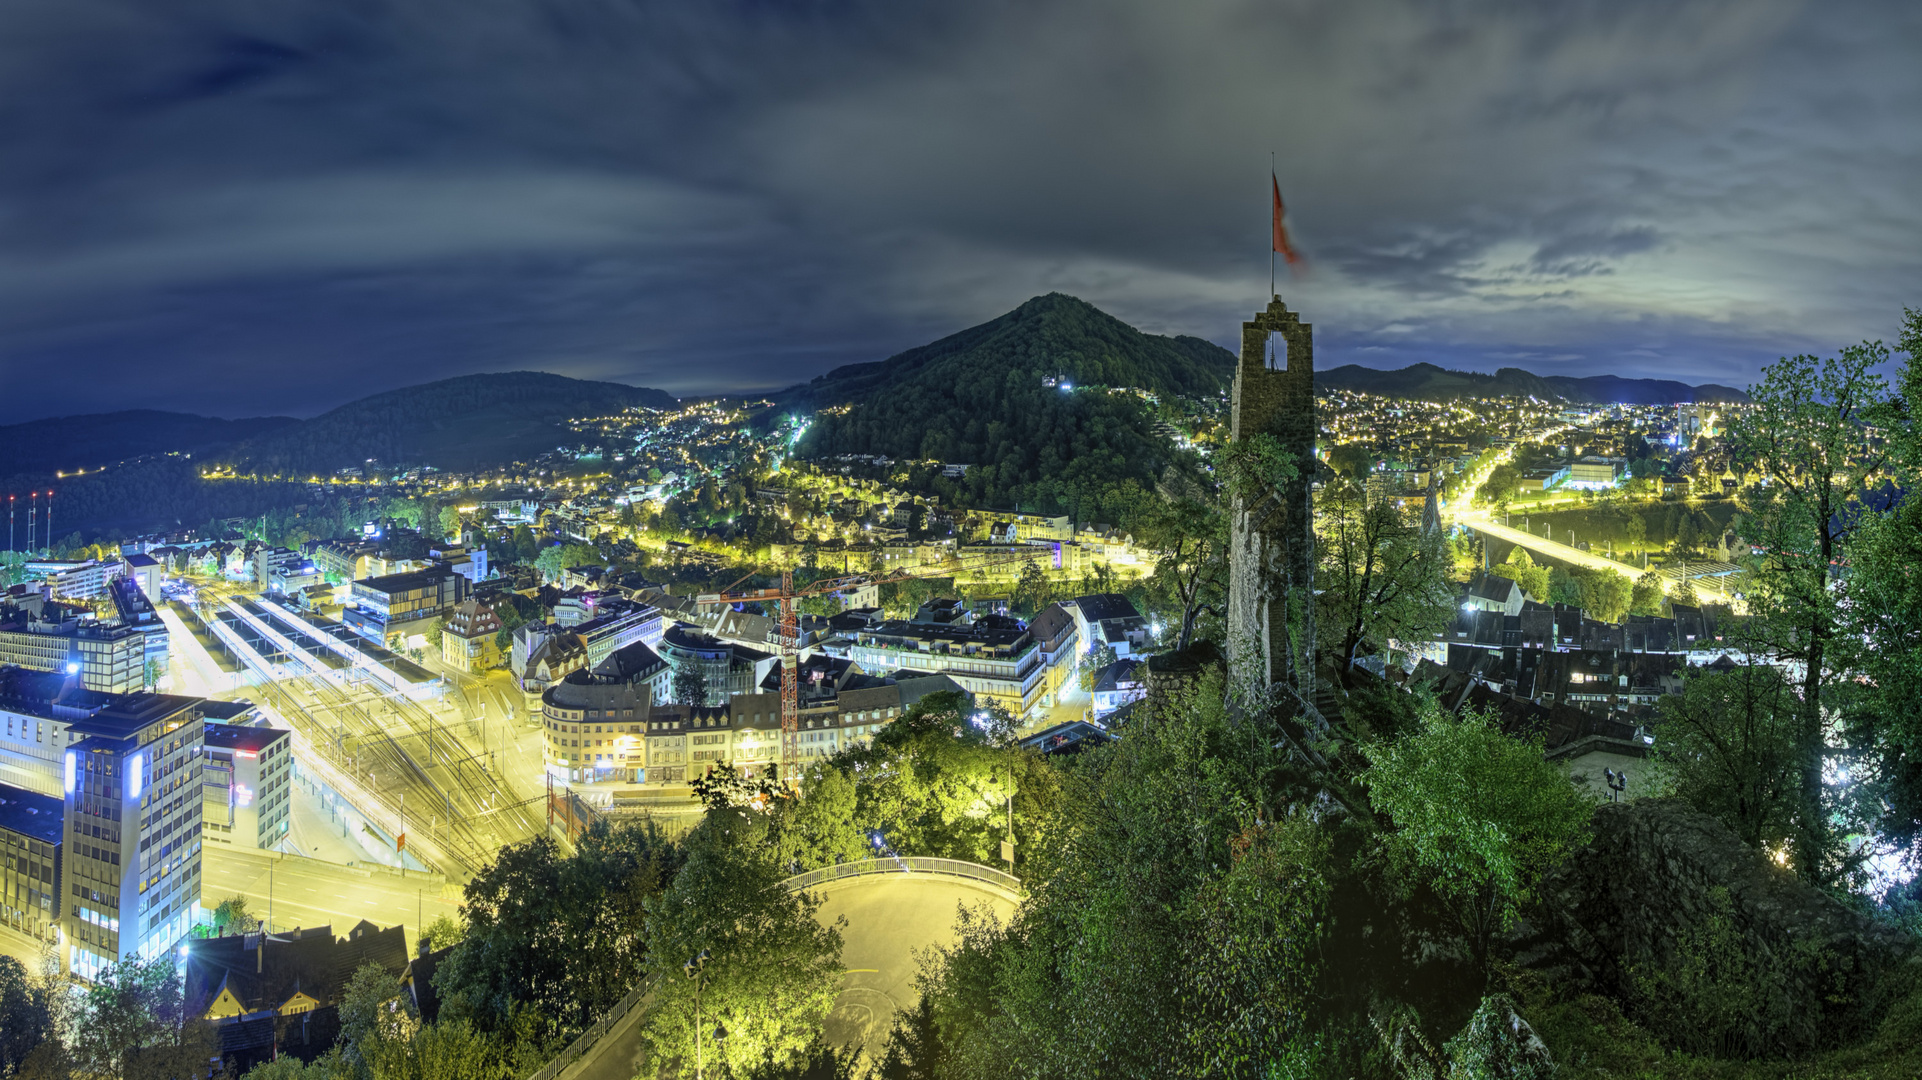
<point x="246" y="207"/>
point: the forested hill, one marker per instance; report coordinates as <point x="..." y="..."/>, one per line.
<point x="980" y="397"/>
<point x="71" y="443"/>
<point x="1431" y="383"/>
<point x="464" y="422"/>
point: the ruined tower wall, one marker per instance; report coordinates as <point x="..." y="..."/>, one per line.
<point x="1271" y="633"/>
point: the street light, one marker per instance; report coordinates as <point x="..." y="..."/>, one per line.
<point x="696" y="968"/>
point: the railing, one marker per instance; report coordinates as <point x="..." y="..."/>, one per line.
<point x="579" y="1047"/>
<point x="908" y="864"/>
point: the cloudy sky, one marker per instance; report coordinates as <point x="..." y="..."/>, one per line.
<point x="271" y="206"/>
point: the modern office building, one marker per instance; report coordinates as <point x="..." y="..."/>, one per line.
<point x="106" y="656"/>
<point x="32" y="828"/>
<point x="142" y="571"/>
<point x="134" y="609"/>
<point x="112" y="657"/>
<point x="543" y="653"/>
<point x="132" y="843"/>
<point x="1595" y="473"/>
<point x="36" y="708"/>
<point x="389" y="609"/>
<point x="246" y="784"/>
<point x="84" y="580"/>
<point x="614" y="624"/>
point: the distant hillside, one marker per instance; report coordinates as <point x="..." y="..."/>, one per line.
<point x="464" y="422"/>
<point x="71" y="443"/>
<point x="978" y="397"/>
<point x="1431" y="383"/>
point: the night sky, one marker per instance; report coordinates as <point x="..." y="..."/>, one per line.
<point x="241" y="207"/>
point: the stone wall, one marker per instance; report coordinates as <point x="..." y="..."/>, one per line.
<point x="1271" y="544"/>
<point x="1706" y="942"/>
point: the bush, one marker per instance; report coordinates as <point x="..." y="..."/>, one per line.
<point x="1498" y="1044"/>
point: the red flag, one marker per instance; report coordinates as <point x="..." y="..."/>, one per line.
<point x="1281" y="244"/>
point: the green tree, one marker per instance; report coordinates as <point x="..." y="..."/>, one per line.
<point x="938" y="781"/>
<point x="1351" y="461"/>
<point x="526" y="548"/>
<point x="1381" y="578"/>
<point x="444" y="932"/>
<point x="1882" y="608"/>
<point x="1179" y="929"/>
<point x="449" y="523"/>
<point x="1808" y="436"/>
<point x="376" y="1023"/>
<point x="1092" y="663"/>
<point x="1479" y="817"/>
<point x="690" y="684"/>
<point x="1521" y="569"/>
<point x="558" y="557"/>
<point x="1636" y="530"/>
<point x="1564" y="587"/>
<point x="1647" y="597"/>
<point x="773" y="970"/>
<point x="1187" y="528"/>
<point x="133" y="1023"/>
<point x="232" y="917"/>
<point x="1503" y="484"/>
<point x="1727" y="744"/>
<point x="824" y="826"/>
<point x="27" y="1015"/>
<point x="726" y="785"/>
<point x="1033" y="590"/>
<point x="561" y="936"/>
<point x="1607" y="595"/>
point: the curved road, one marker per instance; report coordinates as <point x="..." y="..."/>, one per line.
<point x="890" y="917"/>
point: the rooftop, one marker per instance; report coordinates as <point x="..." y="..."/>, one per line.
<point x="30" y="813"/>
<point x="233" y="737"/>
<point x="129" y="713"/>
<point x="1103" y="606"/>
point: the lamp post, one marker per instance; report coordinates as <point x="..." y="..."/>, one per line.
<point x="696" y="968"/>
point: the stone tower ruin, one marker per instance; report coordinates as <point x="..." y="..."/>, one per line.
<point x="1271" y="553"/>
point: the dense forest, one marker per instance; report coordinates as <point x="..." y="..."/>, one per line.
<point x="455" y="423"/>
<point x="982" y="398"/>
<point x="71" y="443"/>
<point x="158" y="494"/>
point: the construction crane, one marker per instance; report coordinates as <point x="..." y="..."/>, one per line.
<point x="788" y="598"/>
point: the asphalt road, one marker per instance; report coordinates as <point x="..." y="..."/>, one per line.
<point x="890" y="919"/>
<point x="308" y="893"/>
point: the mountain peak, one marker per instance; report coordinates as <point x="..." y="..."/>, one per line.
<point x="993" y="396"/>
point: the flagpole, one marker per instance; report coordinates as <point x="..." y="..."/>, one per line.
<point x="1271" y="234"/>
